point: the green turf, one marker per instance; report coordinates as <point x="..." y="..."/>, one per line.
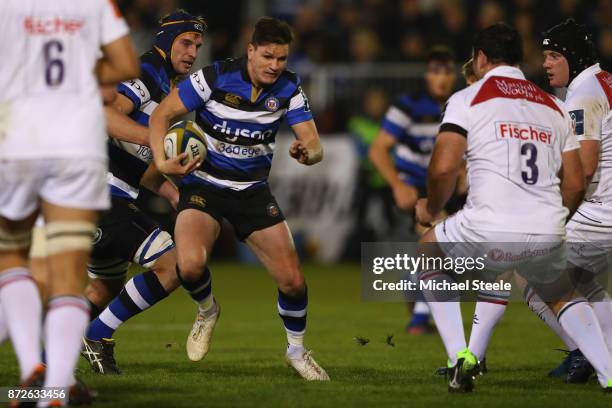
<point x="245" y="366"/>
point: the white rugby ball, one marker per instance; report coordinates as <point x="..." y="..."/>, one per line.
<point x="185" y="136"/>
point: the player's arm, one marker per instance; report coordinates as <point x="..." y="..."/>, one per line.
<point x="589" y="157"/>
<point x="380" y="155"/>
<point x="444" y="169"/>
<point x="154" y="181"/>
<point x="307" y="149"/>
<point x="572" y="181"/>
<point x="171" y="107"/>
<point x="118" y="63"/>
<point x="587" y="113"/>
<point x="120" y="126"/>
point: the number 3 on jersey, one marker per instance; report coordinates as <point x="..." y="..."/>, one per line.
<point x="529" y="156"/>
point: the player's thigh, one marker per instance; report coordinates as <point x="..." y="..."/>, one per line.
<point x="195" y="234"/>
<point x="20" y="182"/>
<point x="75" y="189"/>
<point x="274" y="247"/>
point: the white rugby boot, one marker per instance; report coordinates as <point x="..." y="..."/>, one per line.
<point x="307" y="367"/>
<point x="198" y="341"/>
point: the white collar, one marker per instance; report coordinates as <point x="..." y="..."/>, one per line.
<point x="505" y="71"/>
<point x="581" y="77"/>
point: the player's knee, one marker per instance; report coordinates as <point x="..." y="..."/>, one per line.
<point x="191" y="265"/>
<point x="68" y="236"/>
<point x="14" y="240"/>
<point x="293" y="283"/>
<point x="153" y="248"/>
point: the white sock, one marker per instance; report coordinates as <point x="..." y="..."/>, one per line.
<point x="486" y="316"/>
<point x="67" y="319"/>
<point x="420" y="308"/>
<point x="541" y="309"/>
<point x="295" y="350"/>
<point x="602" y="306"/>
<point x="579" y="321"/>
<point x="447" y="316"/>
<point x="446" y="311"/>
<point x="21" y="309"/>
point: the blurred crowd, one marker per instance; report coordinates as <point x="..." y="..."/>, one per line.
<point x="330" y="31"/>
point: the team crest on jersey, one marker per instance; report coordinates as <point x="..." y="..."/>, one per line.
<point x="273" y="210"/>
<point x="197" y="201"/>
<point x="272" y="104"/>
<point x="232" y="100"/>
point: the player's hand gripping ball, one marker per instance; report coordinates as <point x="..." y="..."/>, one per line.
<point x="185" y="137"/>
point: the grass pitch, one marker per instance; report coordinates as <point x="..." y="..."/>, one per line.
<point x="245" y="367"/>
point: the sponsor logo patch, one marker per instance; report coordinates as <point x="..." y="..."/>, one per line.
<point x="232" y="100"/>
<point x="577" y="117"/>
<point x="197" y="201"/>
<point x="273" y="210"/>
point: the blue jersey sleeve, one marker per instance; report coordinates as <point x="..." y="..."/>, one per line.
<point x="299" y="108"/>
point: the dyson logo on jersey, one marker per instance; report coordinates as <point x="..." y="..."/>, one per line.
<point x="523" y="131"/>
<point x="52" y="25"/>
<point x="258" y="135"/>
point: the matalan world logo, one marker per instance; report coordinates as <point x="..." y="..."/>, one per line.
<point x="520" y="131"/>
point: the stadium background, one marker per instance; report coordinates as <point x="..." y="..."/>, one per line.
<point x="354" y="56"/>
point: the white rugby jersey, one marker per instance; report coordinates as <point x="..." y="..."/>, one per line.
<point x="50" y="104"/>
<point x="516" y="134"/>
<point x="588" y="100"/>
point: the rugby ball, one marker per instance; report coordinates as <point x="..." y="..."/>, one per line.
<point x="185" y="136"/>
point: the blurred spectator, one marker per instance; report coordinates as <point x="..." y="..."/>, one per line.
<point x="605" y="48"/>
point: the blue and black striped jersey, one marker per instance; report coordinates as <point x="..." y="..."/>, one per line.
<point x="129" y="161"/>
<point x="413" y="120"/>
<point x="240" y="123"/>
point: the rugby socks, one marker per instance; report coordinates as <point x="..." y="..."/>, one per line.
<point x="67" y="319"/>
<point x="139" y="293"/>
<point x="446" y="312"/>
<point x="579" y="321"/>
<point x="200" y="290"/>
<point x="541" y="309"/>
<point x="22" y="314"/>
<point x="292" y="310"/>
<point x="602" y="306"/>
<point x="420" y="314"/>
<point x="490" y="307"/>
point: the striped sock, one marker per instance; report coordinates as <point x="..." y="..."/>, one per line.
<point x="22" y="311"/>
<point x="200" y="290"/>
<point x="140" y="293"/>
<point x="292" y="310"/>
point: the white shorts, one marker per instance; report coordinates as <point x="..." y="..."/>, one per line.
<point x="589" y="246"/>
<point x="66" y="182"/>
<point x="503" y="251"/>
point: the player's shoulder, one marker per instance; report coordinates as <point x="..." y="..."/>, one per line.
<point x="228" y="65"/>
<point x="596" y="87"/>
